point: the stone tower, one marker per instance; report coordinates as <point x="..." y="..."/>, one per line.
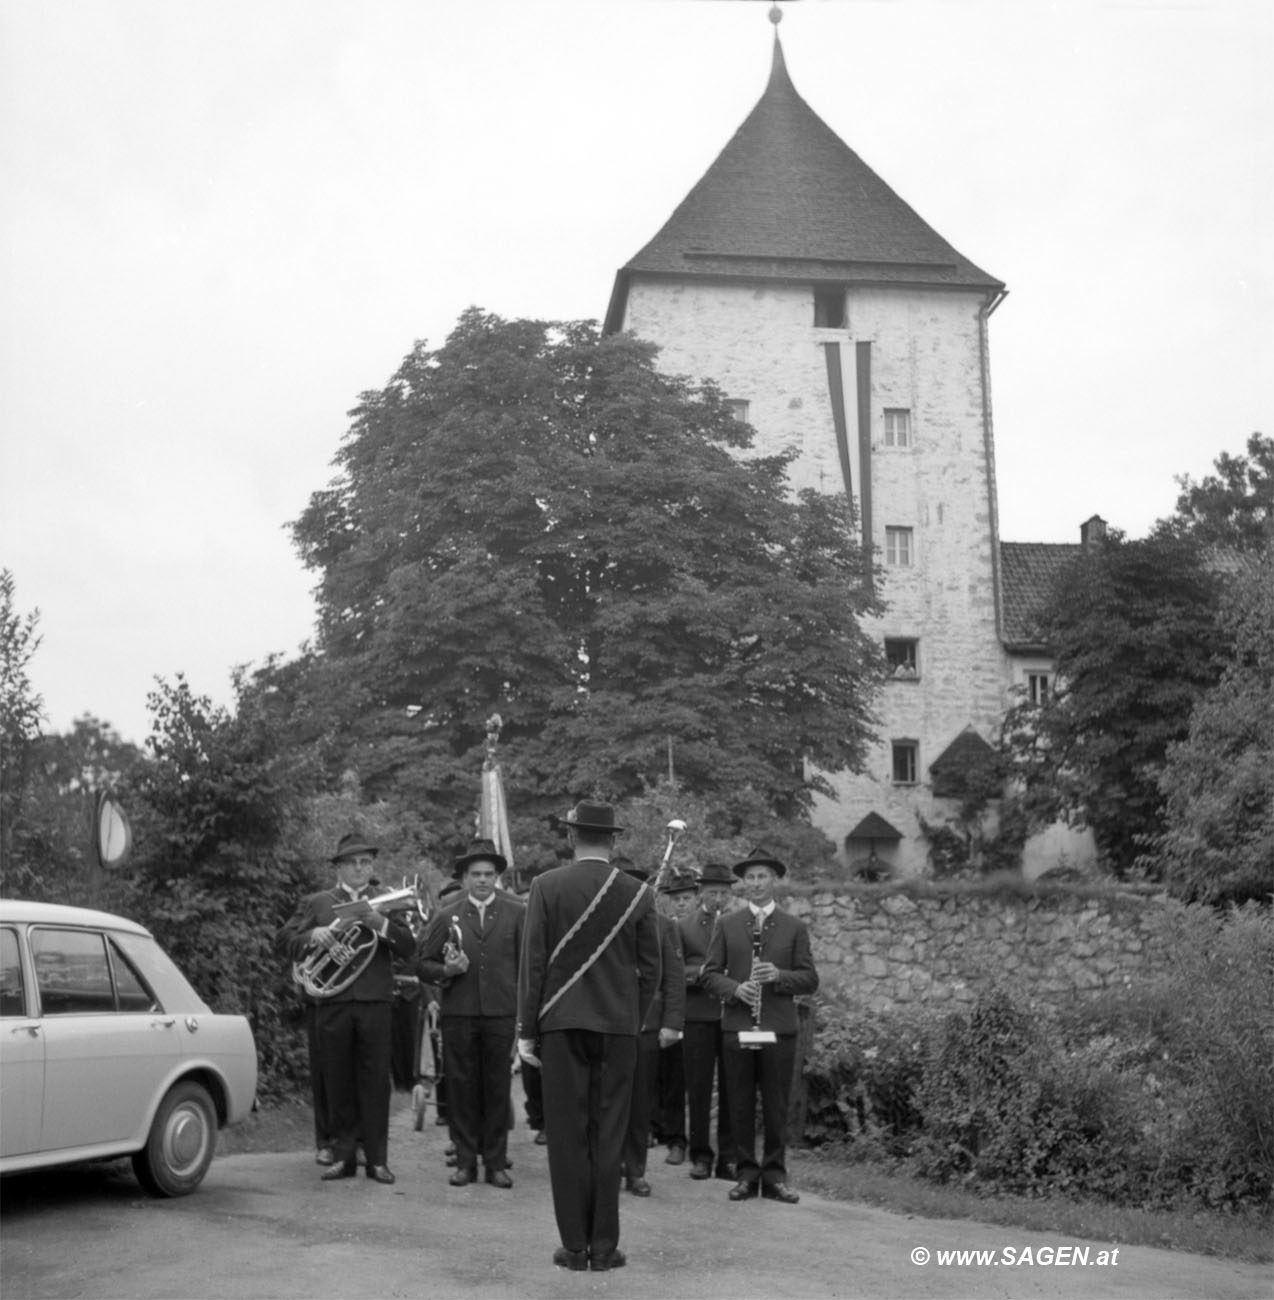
<point x="845" y="326"/>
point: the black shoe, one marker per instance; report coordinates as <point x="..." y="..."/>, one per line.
<point x="541" y="1138"/>
<point x="604" y="1263"/>
<point x="702" y="1169"/>
<point x="325" y="1156"/>
<point x="381" y="1174"/>
<point x="463" y="1177"/>
<point x="727" y="1171"/>
<point x="742" y="1191"/>
<point x="780" y="1192"/>
<point x="440" y="1118"/>
<point x="575" y="1260"/>
<point x="499" y="1178"/>
<point x="346" y="1169"/>
<point x="638" y="1187"/>
<point x="676" y="1153"/>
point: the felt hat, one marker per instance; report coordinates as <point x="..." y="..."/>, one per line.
<point x="760" y="858"/>
<point x="593" y="817"/>
<point x="351" y="845"/>
<point x="629" y="867"/>
<point x="680" y="882"/>
<point x="716" y="873"/>
<point x="480" y="851"/>
<point x="449" y="890"/>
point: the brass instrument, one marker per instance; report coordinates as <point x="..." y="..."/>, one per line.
<point x="756" y="1037"/>
<point x="454" y="945"/>
<point x="675" y="828"/>
<point x="325" y="972"/>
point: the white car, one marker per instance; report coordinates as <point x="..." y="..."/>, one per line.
<point x="106" y="1050"/>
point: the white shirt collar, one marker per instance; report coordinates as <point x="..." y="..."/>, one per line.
<point x="482" y="906"/>
<point x="761" y="912"/>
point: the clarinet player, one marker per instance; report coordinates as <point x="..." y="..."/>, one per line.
<point x="759" y="960"/>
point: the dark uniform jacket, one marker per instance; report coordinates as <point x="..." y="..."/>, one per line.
<point x="785" y="941"/>
<point x="376" y="983"/>
<point x="668" y="1010"/>
<point x="696" y="932"/>
<point x="490" y="986"/>
<point x="616" y="992"/>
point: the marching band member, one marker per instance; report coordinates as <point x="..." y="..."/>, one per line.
<point x="590" y="966"/>
<point x="660" y="1032"/>
<point x="352" y="1027"/>
<point x="758" y="961"/>
<point x="703" y="1046"/>
<point x="471" y="951"/>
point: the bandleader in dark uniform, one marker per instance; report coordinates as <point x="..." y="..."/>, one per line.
<point x="660" y="1031"/>
<point x="471" y="951"/>
<point x="590" y="967"/>
<point x="703" y="1046"/>
<point x="352" y="1028"/>
<point x="783" y="968"/>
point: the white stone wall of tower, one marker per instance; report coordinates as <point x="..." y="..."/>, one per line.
<point x="758" y="342"/>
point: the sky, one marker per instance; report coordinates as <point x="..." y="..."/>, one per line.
<point x="223" y="220"/>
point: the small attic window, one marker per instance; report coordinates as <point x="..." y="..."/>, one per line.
<point x="829" y="309"/>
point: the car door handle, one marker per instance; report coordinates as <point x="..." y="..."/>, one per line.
<point x="33" y="1030"/>
<point x="163" y="1024"/>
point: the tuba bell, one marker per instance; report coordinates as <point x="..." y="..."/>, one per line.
<point x="325" y="972"/>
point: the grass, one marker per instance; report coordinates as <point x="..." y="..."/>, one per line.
<point x="289" y="1127"/>
<point x="1201" y="1232"/>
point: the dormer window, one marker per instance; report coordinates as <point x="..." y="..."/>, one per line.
<point x="829" y="309"/>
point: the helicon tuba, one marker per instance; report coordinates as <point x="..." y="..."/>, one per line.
<point x="325" y="972"/>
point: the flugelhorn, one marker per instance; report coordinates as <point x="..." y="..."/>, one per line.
<point x="325" y="972"/>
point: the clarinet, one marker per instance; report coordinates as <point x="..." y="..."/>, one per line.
<point x="756" y="957"/>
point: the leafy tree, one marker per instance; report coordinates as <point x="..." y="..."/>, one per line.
<point x="52" y="857"/>
<point x="21" y="710"/>
<point x="533" y="520"/>
<point x="214" y="871"/>
<point x="1218" y="783"/>
<point x="1134" y="628"/>
<point x="1233" y="509"/>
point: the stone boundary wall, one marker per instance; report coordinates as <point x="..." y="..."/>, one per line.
<point x="880" y="950"/>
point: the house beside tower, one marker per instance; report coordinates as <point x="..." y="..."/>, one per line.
<point x="843" y="326"/>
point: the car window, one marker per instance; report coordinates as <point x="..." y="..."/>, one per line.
<point x="130" y="988"/>
<point x="158" y="971"/>
<point x="71" y="972"/>
<point x="12" y="993"/>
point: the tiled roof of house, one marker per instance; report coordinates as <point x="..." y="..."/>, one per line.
<point x="1028" y="571"/>
<point x="787" y="200"/>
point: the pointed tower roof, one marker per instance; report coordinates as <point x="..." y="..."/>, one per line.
<point x="788" y="200"/>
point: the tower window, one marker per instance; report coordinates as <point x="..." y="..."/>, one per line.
<point x="900" y="548"/>
<point x="897" y="427"/>
<point x="900" y="654"/>
<point x="1038" y="687"/>
<point x="904" y="756"/>
<point x="829" y="309"/>
<point x="738" y="408"/>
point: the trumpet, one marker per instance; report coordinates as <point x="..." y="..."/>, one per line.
<point x="325" y="972"/>
<point x="675" y="829"/>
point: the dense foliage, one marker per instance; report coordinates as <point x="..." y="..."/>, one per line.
<point x="532" y="520"/>
<point x="1161" y="1094"/>
<point x="21" y="709"/>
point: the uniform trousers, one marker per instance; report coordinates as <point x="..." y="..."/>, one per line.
<point x="533" y="1087"/>
<point x="637" y="1135"/>
<point x="322" y="1120"/>
<point x="478" y="1051"/>
<point x="588" y="1083"/>
<point x="704" y="1050"/>
<point x="353" y="1040"/>
<point x="767" y="1070"/>
<point x="669" y="1121"/>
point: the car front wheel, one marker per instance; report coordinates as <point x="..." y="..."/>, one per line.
<point x="181" y="1144"/>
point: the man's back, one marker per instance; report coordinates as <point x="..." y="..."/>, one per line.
<point x="574" y="911"/>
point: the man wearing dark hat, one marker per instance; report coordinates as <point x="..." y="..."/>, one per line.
<point x="353" y="1027"/>
<point x="590" y="967"/>
<point x="660" y="1033"/>
<point x="703" y="1047"/>
<point x="471" y="951"/>
<point x="758" y="961"/>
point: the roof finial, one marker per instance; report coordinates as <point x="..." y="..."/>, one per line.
<point x="776" y="16"/>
